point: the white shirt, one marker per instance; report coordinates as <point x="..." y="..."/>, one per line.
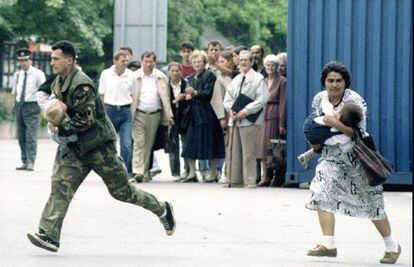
<point x="341" y="139"/>
<point x="176" y="88"/>
<point x="35" y="78"/>
<point x="149" y="99"/>
<point x="117" y="89"/>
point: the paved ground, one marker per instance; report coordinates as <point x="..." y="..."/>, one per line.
<point x="215" y="226"/>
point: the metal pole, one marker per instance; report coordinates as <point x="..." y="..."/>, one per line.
<point x="1" y="63"/>
<point x="154" y="25"/>
<point x="123" y="17"/>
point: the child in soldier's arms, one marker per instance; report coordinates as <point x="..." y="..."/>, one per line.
<point x="317" y="134"/>
<point x="55" y="113"/>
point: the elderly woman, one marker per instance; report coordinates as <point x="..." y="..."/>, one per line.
<point x="339" y="185"/>
<point x="275" y="114"/>
<point x="282" y="58"/>
<point x="204" y="135"/>
<point x="177" y="86"/>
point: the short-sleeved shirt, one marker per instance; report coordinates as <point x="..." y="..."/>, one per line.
<point x="34" y="79"/>
<point x="117" y="89"/>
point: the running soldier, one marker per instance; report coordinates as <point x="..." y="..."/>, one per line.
<point x="93" y="150"/>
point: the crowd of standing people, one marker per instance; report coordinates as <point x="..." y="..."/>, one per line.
<point x="225" y="105"/>
<point x="188" y="111"/>
<point x="201" y="90"/>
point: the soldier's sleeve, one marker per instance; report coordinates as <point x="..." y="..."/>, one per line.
<point x="83" y="114"/>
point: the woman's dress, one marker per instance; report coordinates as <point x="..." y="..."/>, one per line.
<point x="339" y="185"/>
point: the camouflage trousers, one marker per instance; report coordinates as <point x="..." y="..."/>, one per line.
<point x="70" y="170"/>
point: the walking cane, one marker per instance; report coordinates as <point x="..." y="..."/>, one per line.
<point x="231" y="150"/>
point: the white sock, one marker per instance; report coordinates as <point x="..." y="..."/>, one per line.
<point x="329" y="241"/>
<point x="390" y="244"/>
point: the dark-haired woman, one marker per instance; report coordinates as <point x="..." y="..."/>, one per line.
<point x="339" y="185"/>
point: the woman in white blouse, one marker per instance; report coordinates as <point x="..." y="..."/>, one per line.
<point x="339" y="185"/>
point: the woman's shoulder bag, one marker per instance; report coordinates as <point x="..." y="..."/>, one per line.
<point x="377" y="169"/>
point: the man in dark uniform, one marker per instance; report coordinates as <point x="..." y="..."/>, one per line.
<point x="94" y="150"/>
<point x="27" y="110"/>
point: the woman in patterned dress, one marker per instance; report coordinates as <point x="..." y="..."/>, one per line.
<point x="339" y="185"/>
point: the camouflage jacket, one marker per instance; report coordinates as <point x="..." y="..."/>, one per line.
<point x="85" y="112"/>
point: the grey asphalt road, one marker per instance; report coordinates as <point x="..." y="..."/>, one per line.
<point x="215" y="226"/>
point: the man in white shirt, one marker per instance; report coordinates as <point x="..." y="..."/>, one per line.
<point x="243" y="132"/>
<point x="27" y="111"/>
<point x="117" y="85"/>
<point x="150" y="107"/>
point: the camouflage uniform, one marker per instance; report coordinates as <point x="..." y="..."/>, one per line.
<point x="94" y="150"/>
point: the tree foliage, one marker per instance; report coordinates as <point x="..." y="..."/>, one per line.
<point x="246" y="22"/>
<point x="186" y="20"/>
<point x="243" y="22"/>
<point x="89" y="24"/>
<point x="85" y="21"/>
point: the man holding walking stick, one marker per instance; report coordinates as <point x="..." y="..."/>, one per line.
<point x="245" y="99"/>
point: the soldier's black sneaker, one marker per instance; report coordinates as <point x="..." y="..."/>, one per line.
<point x="168" y="220"/>
<point x="41" y="240"/>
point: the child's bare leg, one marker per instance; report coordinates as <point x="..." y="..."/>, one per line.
<point x="308" y="154"/>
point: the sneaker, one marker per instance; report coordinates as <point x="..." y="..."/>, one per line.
<point x="304" y="161"/>
<point x="152" y="173"/>
<point x="168" y="220"/>
<point x="184" y="175"/>
<point x="21" y="167"/>
<point x="391" y="257"/>
<point x="41" y="240"/>
<point x="223" y="180"/>
<point x="177" y="178"/>
<point x="30" y="167"/>
<point x="322" y="251"/>
<point x="250" y="186"/>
